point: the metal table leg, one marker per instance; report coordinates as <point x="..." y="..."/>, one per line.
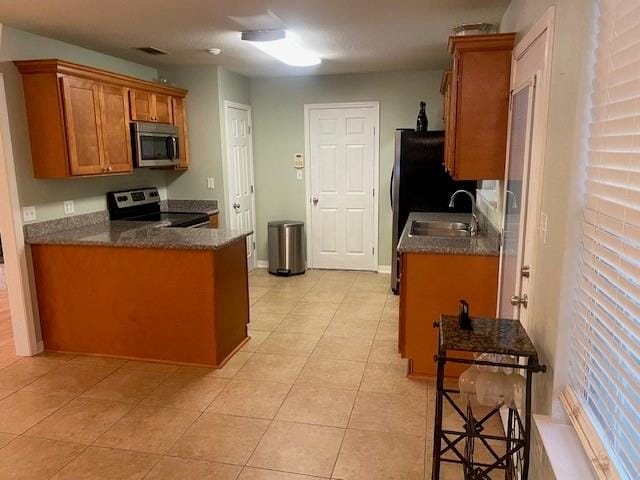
<point x="437" y="430"/>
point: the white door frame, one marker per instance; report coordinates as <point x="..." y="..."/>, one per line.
<point x="227" y="168"/>
<point x="308" y="107"/>
<point x="545" y="24"/>
<point x="15" y="253"/>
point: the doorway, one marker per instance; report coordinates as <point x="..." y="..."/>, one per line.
<point x="342" y="149"/>
<point x="17" y="317"/>
<point x="7" y="349"/>
<point x="530" y="78"/>
<point x="241" y="205"/>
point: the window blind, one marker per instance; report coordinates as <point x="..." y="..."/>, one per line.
<point x="605" y="354"/>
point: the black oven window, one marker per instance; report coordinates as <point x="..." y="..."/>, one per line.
<point x="153" y="148"/>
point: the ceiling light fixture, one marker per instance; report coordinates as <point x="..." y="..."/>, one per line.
<point x="282" y="46"/>
<point x="214" y="51"/>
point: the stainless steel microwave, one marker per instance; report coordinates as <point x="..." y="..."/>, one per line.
<point x="155" y="144"/>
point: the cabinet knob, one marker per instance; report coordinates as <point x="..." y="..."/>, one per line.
<point x="109" y="168"/>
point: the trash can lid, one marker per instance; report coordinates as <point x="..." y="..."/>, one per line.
<point x="285" y="223"/>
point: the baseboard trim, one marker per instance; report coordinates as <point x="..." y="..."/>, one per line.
<point x="381" y="268"/>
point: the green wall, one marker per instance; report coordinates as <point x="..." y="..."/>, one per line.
<point x="550" y="314"/>
<point x="278" y="121"/>
<point x="209" y="87"/>
<point x="48" y="196"/>
<point x="204" y="134"/>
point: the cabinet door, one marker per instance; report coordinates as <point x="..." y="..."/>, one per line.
<point x="83" y="126"/>
<point x="116" y="133"/>
<point x="161" y="108"/>
<point x="141" y="106"/>
<point x="451" y="107"/>
<point x="180" y="121"/>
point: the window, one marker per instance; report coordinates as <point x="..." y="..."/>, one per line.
<point x="604" y="390"/>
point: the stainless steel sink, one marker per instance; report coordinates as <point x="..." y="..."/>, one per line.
<point x="421" y="228"/>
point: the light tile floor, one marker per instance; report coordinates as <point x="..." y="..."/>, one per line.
<point x="318" y="392"/>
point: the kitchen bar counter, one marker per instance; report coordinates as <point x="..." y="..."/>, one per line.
<point x="122" y="233"/>
<point x="486" y="243"/>
<point x="140" y="290"/>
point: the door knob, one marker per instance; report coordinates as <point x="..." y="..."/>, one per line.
<point x="315" y="200"/>
<point x="525" y="271"/>
<point x="519" y="300"/>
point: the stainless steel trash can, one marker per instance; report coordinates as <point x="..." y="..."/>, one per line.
<point x="286" y="248"/>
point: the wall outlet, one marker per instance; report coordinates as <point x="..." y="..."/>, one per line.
<point x="210" y="183"/>
<point x="299" y="175"/>
<point x="29" y="214"/>
<point x="68" y="207"/>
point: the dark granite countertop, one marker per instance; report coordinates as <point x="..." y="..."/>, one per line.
<point x="140" y="235"/>
<point x="485" y="243"/>
<point x="489" y="335"/>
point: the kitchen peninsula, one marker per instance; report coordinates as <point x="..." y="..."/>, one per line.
<point x="142" y="291"/>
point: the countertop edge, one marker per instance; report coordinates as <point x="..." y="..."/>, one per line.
<point x="480" y="245"/>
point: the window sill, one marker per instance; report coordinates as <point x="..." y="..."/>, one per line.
<point x="563" y="449"/>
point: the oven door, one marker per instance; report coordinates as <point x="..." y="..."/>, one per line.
<point x="155" y="148"/>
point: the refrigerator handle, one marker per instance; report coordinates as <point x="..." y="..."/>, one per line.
<point x="391" y="190"/>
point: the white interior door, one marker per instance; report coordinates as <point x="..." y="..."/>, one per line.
<point x="514" y="227"/>
<point x="524" y="170"/>
<point x="343" y="175"/>
<point x="240" y="184"/>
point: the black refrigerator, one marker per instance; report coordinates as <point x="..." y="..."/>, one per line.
<point x="419" y="183"/>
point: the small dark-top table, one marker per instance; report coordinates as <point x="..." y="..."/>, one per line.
<point x="489" y="335"/>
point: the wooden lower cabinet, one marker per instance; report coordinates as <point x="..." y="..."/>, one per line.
<point x="178" y="306"/>
<point x="431" y="285"/>
<point x="214" y="220"/>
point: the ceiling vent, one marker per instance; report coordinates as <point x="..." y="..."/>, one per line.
<point x="152" y="51"/>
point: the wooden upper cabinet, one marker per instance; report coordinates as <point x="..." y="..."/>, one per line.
<point x="83" y="125"/>
<point x="116" y="131"/>
<point x="150" y="107"/>
<point x="477" y="106"/>
<point x="140" y="106"/>
<point x="163" y="108"/>
<point x="80" y="117"/>
<point x="180" y="121"/>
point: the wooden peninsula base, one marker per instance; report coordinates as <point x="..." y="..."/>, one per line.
<point x="171" y="305"/>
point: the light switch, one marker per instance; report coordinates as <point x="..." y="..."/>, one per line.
<point x="544" y="221"/>
<point x="210" y="183"/>
<point x="68" y="207"/>
<point x="299" y="175"/>
<point x="29" y="214"/>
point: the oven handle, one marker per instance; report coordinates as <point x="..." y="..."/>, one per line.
<point x="171" y="147"/>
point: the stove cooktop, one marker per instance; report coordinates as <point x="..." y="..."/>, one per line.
<point x="173" y="219"/>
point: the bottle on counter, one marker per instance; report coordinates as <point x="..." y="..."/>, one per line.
<point x="422" y="122"/>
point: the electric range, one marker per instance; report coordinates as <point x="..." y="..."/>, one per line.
<point x="143" y="205"/>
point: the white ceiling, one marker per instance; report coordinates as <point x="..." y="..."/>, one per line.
<point x="349" y="35"/>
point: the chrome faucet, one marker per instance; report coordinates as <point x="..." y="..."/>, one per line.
<point x="474" y="219"/>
